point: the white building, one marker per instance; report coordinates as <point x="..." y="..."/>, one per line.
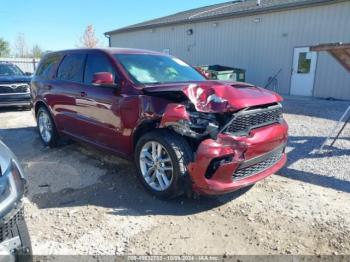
<point x="259" y="36"/>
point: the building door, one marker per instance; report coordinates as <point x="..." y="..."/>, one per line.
<point x="303" y="71"/>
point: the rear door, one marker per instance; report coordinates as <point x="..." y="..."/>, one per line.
<point x="67" y="89"/>
<point x="100" y="105"/>
<point x="41" y="83"/>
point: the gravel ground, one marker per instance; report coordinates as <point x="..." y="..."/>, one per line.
<point x="82" y="201"/>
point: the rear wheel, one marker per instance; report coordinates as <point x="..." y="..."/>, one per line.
<point x="161" y="158"/>
<point x="47" y="128"/>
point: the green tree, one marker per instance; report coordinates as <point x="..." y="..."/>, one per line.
<point x="4" y="48"/>
<point x="37" y="52"/>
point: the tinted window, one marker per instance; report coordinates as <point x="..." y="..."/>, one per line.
<point x="10" y="70"/>
<point x="96" y="63"/>
<point x="71" y="68"/>
<point x="148" y="69"/>
<point x="46" y="67"/>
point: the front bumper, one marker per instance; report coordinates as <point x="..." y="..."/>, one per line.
<point x="217" y="161"/>
<point x="24" y="99"/>
<point x="13" y="229"/>
<point x="10" y="241"/>
<point x="6" y="255"/>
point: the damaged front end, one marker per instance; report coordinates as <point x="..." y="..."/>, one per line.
<point x="189" y="123"/>
<point x="237" y="133"/>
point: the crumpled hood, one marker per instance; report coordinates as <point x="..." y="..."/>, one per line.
<point x="219" y="96"/>
<point x="15" y="79"/>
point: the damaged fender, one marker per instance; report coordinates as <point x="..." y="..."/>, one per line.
<point x="173" y="114"/>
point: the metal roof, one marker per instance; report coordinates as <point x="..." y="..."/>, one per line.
<point x="227" y="9"/>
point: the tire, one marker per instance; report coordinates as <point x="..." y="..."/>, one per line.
<point x="52" y="137"/>
<point x="180" y="154"/>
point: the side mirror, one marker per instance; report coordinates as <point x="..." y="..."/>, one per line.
<point x="103" y="79"/>
<point x="28" y="73"/>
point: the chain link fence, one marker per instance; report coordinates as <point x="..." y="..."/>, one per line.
<point x="27" y="65"/>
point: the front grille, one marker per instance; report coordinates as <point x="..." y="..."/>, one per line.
<point x="7" y="228"/>
<point x="244" y="121"/>
<point x="259" y="167"/>
<point x="14" y="88"/>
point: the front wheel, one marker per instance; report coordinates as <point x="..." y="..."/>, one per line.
<point x="161" y="158"/>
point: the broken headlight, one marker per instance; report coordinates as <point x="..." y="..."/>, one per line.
<point x="200" y="121"/>
<point x="200" y="125"/>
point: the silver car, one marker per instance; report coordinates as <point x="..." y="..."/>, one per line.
<point x="14" y="238"/>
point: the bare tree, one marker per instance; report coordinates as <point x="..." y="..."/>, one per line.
<point x="89" y="38"/>
<point x="20" y="46"/>
<point x="37" y="52"/>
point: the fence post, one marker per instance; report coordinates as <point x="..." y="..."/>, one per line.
<point x="34" y="65"/>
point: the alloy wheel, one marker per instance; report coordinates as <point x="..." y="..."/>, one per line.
<point x="156" y="166"/>
<point x="45" y="126"/>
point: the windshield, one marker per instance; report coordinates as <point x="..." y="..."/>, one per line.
<point x="156" y="69"/>
<point x="10" y="70"/>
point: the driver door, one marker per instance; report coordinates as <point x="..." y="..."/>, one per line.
<point x="100" y="105"/>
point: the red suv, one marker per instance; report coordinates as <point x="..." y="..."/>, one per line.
<point x="184" y="132"/>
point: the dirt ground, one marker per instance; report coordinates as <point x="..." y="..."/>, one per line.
<point x="82" y="201"/>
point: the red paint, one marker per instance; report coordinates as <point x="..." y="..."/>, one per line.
<point x="238" y="95"/>
<point x="103" y="78"/>
<point x="261" y="140"/>
<point x="173" y="113"/>
<point x="222" y="186"/>
<point x="109" y="117"/>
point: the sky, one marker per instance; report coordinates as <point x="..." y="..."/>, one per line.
<point x="55" y="25"/>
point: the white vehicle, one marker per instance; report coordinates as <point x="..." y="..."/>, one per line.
<point x="15" y="243"/>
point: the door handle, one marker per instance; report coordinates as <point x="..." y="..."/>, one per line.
<point x="83" y="94"/>
<point x="49" y="87"/>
